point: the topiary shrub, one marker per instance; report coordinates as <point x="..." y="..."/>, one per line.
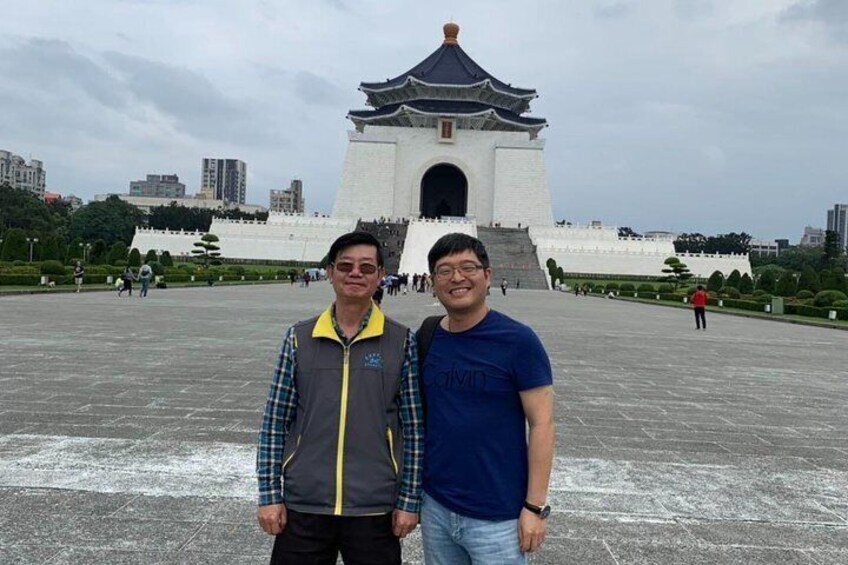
<point x="840" y="304"/>
<point x="805" y="294"/>
<point x="729" y="292"/>
<point x="645" y="287"/>
<point x="52" y="268"/>
<point x="826" y="298"/>
<point x="764" y="298"/>
<point x="627" y="287"/>
<point x="236" y="269"/>
<point x="612" y="286"/>
<point x="665" y="288"/>
<point x="157" y="267"/>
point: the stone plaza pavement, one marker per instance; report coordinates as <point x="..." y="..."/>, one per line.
<point x="127" y="429"/>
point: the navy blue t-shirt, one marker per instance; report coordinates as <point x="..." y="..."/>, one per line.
<point x="475" y="457"/>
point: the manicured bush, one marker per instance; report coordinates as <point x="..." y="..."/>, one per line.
<point x="729" y="292"/>
<point x="716" y="281"/>
<point x="758" y="292"/>
<point x="120" y="263"/>
<point x="612" y="286"/>
<point x="840" y="304"/>
<point x="134" y="258"/>
<point x="627" y="287"/>
<point x="118" y="252"/>
<point x="236" y="269"/>
<point x="805" y="294"/>
<point x="20" y="280"/>
<point x="746" y="284"/>
<point x="52" y="268"/>
<point x="834" y="281"/>
<point x="167" y="260"/>
<point x="157" y="267"/>
<point x="645" y="287"/>
<point x="733" y="279"/>
<point x="665" y="288"/>
<point x="828" y="297"/>
<point x="764" y="298"/>
<point x="786" y="284"/>
<point x="743" y="305"/>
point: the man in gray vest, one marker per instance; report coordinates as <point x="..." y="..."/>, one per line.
<point x="341" y="444"/>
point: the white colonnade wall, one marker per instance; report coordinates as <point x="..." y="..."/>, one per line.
<point x="600" y="251"/>
<point x="281" y="238"/>
<point x="420" y="237"/>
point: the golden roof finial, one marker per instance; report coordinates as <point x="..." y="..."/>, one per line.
<point x="451" y="33"/>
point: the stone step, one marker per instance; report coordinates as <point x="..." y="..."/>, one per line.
<point x="513" y="257"/>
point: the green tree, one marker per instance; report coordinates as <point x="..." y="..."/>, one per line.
<point x="734" y="279"/>
<point x="767" y="281"/>
<point x="176" y="217"/>
<point x="99" y="253"/>
<point x="809" y="280"/>
<point x="715" y="282"/>
<point x="167" y="260"/>
<point x="834" y="279"/>
<point x="23" y="210"/>
<point x="786" y="284"/>
<point x="676" y="272"/>
<point x="206" y="251"/>
<point x="118" y="252"/>
<point x="15" y="247"/>
<point x="50" y="248"/>
<point x="832" y="249"/>
<point x="134" y="258"/>
<point x="150" y="256"/>
<point x="746" y="284"/>
<point x="552" y="270"/>
<point x="110" y="220"/>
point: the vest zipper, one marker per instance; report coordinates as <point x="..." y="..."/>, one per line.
<point x="392" y="449"/>
<point x="289" y="458"/>
<point x="342" y="423"/>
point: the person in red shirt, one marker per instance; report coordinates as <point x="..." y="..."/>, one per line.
<point x="699" y="303"/>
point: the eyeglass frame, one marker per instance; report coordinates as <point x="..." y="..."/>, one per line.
<point x="444" y="275"/>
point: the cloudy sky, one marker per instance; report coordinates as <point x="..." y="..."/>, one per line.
<point x="685" y="115"/>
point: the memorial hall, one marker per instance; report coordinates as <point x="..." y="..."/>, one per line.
<point x="447" y="147"/>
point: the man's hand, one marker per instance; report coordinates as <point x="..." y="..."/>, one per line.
<point x="531" y="531"/>
<point x="272" y="518"/>
<point x="403" y="522"/>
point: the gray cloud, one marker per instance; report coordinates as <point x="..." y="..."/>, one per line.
<point x="831" y="14"/>
<point x="316" y="90"/>
<point x="614" y="10"/>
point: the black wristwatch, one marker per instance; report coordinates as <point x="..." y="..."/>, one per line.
<point x="541" y="511"/>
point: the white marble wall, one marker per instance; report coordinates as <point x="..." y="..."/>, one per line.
<point x="599" y="250"/>
<point x="420" y="237"/>
<point x="388" y="163"/>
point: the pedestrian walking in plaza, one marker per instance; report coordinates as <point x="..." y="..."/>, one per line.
<point x="699" y="304"/>
<point x="340" y="448"/>
<point x="504" y="285"/>
<point x="127" y="278"/>
<point x="79" y="273"/>
<point x="144" y="275"/>
<point x="485" y="377"/>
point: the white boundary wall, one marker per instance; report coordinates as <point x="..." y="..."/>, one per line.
<point x="420" y="237"/>
<point x="599" y="250"/>
<point x="505" y="171"/>
<point x="282" y="238"/>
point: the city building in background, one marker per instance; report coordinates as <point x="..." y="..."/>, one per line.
<point x="165" y="186"/>
<point x="146" y="203"/>
<point x="812" y="236"/>
<point x="16" y="172"/>
<point x="289" y="201"/>
<point x="224" y="179"/>
<point x="764" y="248"/>
<point x="837" y="220"/>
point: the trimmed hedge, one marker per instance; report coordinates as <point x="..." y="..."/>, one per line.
<point x="645" y="287"/>
<point x="20" y="280"/>
<point x="627" y="287"/>
<point x="743" y="305"/>
<point x="827" y="297"/>
<point x="812" y="311"/>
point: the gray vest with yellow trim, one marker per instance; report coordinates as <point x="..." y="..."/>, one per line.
<point x="344" y="451"/>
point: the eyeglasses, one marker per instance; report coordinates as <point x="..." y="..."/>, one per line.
<point x="364" y="268"/>
<point x="466" y="270"/>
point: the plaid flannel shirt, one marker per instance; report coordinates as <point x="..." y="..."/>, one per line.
<point x="281" y="408"/>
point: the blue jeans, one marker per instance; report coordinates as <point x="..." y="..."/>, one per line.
<point x="452" y="539"/>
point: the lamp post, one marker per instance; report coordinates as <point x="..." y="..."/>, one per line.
<point x="85" y="247"/>
<point x="32" y="241"/>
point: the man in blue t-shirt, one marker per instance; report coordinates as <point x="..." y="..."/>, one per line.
<point x="485" y="378"/>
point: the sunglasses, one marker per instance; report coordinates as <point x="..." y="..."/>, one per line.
<point x="364" y="268"/>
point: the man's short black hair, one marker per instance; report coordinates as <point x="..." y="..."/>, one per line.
<point x="700" y="287"/>
<point x="351" y="239"/>
<point x="457" y="243"/>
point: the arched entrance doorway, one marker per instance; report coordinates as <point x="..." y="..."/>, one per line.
<point x="444" y="192"/>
